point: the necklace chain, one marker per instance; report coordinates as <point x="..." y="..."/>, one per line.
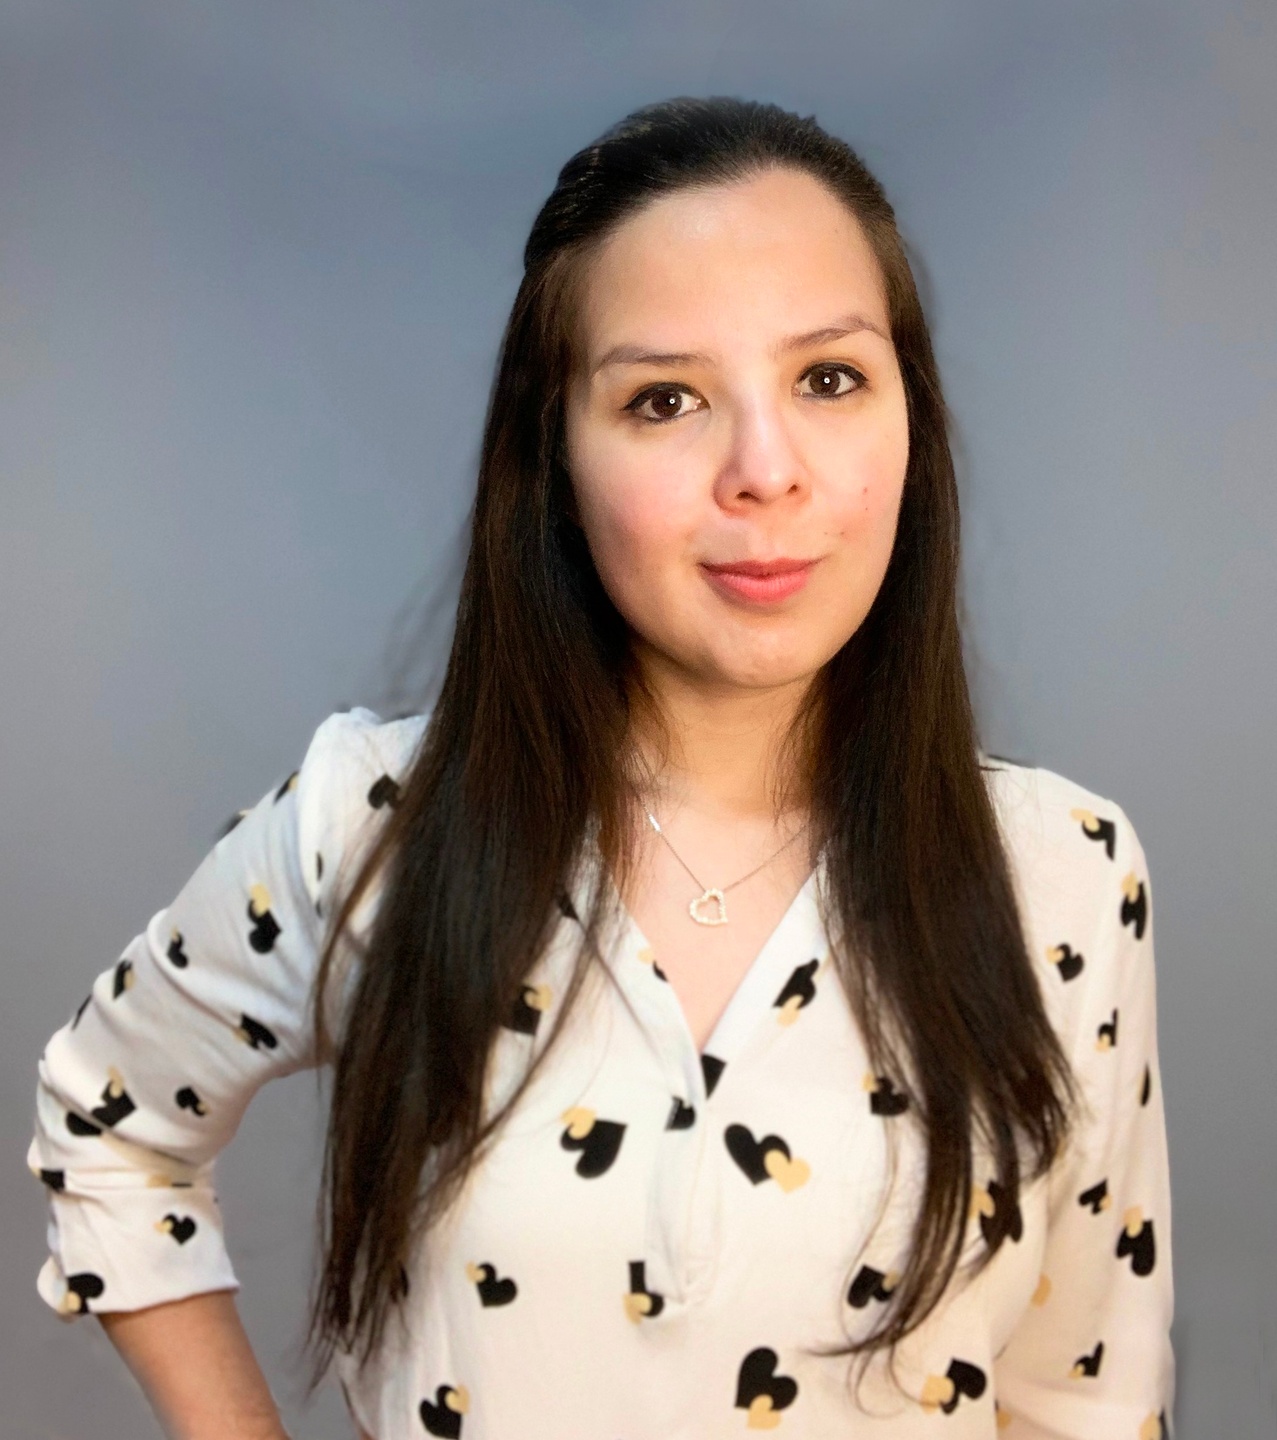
<point x="715" y="894"/>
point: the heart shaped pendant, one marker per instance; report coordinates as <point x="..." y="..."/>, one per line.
<point x="712" y="897"/>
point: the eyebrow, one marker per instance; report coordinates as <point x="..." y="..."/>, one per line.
<point x="637" y="355"/>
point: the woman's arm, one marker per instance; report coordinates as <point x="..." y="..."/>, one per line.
<point x="141" y="1089"/>
<point x="222" y="1397"/>
<point x="1091" y="1358"/>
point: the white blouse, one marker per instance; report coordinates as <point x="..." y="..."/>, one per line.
<point x="661" y="1242"/>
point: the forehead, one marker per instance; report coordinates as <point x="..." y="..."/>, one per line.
<point x="761" y="255"/>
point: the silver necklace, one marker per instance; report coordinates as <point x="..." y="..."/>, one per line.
<point x="715" y="895"/>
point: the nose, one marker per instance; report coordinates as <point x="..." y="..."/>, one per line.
<point x="764" y="462"/>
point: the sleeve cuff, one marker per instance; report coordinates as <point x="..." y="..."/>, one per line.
<point x="132" y="1249"/>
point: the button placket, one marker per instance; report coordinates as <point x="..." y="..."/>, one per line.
<point x="742" y="1038"/>
<point x="652" y="1007"/>
<point x="679" y="1151"/>
<point x="685" y="1199"/>
<point x="674" y="1200"/>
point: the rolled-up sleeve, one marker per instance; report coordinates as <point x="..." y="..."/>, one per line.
<point x="1092" y="1358"/>
<point x="148" y="1081"/>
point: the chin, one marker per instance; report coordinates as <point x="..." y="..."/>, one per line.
<point x="762" y="671"/>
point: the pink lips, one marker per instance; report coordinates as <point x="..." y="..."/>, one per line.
<point x="759" y="580"/>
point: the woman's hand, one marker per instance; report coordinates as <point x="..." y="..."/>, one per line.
<point x="193" y="1360"/>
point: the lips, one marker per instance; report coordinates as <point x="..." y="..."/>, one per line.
<point x="759" y="581"/>
<point x="759" y="568"/>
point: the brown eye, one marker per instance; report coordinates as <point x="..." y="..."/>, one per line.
<point x="828" y="380"/>
<point x="664" y="400"/>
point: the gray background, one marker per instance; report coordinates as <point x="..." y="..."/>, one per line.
<point x="254" y="261"/>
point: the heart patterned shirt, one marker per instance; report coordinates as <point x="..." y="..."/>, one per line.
<point x="661" y="1243"/>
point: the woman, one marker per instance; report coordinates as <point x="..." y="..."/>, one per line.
<point x="720" y="1040"/>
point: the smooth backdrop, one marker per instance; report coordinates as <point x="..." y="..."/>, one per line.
<point x="255" y="256"/>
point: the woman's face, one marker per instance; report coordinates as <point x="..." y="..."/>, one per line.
<point x="739" y="403"/>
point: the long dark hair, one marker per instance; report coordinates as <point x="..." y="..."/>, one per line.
<point x="518" y="770"/>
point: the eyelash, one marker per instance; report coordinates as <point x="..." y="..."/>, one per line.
<point x="645" y="395"/>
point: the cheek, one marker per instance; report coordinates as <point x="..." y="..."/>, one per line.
<point x="862" y="514"/>
<point x="863" y="507"/>
<point x="637" y="532"/>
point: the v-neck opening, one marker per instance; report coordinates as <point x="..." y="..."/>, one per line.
<point x="742" y="995"/>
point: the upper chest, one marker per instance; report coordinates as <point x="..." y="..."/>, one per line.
<point x="705" y="963"/>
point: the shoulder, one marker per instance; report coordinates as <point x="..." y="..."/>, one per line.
<point x="1053" y="824"/>
<point x="352" y="743"/>
<point x="1082" y="884"/>
<point x="351" y="775"/>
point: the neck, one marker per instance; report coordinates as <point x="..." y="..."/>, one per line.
<point x="715" y="748"/>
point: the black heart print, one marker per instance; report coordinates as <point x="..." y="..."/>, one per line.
<point x="84" y="1004"/>
<point x="442" y="1415"/>
<point x="1067" y="961"/>
<point x="681" y="1117"/>
<point x="77" y="1125"/>
<point x="751" y="1155"/>
<point x="962" y="1378"/>
<point x="712" y="1069"/>
<point x="869" y="1284"/>
<point x="266" y="929"/>
<point x="759" y="1388"/>
<point x="180" y="1227"/>
<point x="567" y="909"/>
<point x="884" y="1098"/>
<point x="122" y="979"/>
<point x="1106" y="1034"/>
<point x="176" y="951"/>
<point x="231" y="824"/>
<point x="1087" y="1367"/>
<point x="1006" y="1219"/>
<point x="1097" y="1197"/>
<point x="798" y="991"/>
<point x="492" y="1289"/>
<point x="640" y="1302"/>
<point x="384" y="791"/>
<point x="288" y="785"/>
<point x="255" y="1034"/>
<point x="116" y="1102"/>
<point x="525" y="1015"/>
<point x="1140" y="1246"/>
<point x="647" y="956"/>
<point x="187" y="1099"/>
<point x="1146" y="1086"/>
<point x="599" y="1144"/>
<point x="54" y="1179"/>
<point x="1134" y="905"/>
<point x="81" y="1288"/>
<point x="1103" y="832"/>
